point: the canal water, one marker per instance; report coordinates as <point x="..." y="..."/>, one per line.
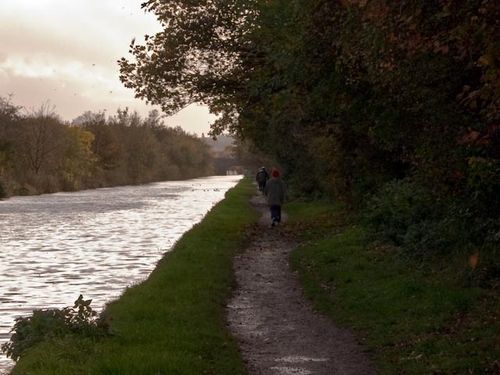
<point x="94" y="242"/>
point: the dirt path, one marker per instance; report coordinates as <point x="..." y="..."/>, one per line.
<point x="278" y="331"/>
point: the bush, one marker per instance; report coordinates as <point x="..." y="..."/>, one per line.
<point x="434" y="236"/>
<point x="412" y="218"/>
<point x="45" y="324"/>
<point x="421" y="223"/>
<point x="398" y="206"/>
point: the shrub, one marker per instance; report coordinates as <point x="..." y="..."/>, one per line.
<point x="399" y="205"/>
<point x="45" y="324"/>
<point x="412" y="218"/>
<point x="422" y="223"/>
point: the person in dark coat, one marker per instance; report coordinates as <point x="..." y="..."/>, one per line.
<point x="275" y="191"/>
<point x="261" y="178"/>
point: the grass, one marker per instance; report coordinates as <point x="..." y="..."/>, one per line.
<point x="173" y="323"/>
<point x="414" y="317"/>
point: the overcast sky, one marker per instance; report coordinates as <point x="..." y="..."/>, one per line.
<point x="64" y="52"/>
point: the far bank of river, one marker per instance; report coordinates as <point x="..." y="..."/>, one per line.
<point x="94" y="242"/>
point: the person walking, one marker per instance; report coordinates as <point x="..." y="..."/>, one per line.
<point x="275" y="191"/>
<point x="261" y="178"/>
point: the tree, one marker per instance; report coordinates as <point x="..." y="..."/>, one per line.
<point x="40" y="143"/>
<point x="197" y="58"/>
<point x="78" y="162"/>
<point x="9" y="115"/>
<point x="347" y="96"/>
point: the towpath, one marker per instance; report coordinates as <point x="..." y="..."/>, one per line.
<point x="278" y="331"/>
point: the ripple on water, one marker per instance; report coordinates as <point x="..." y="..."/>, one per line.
<point x="95" y="242"/>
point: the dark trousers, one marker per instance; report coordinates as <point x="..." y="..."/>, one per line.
<point x="276" y="213"/>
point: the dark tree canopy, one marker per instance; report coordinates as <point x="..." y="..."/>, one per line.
<point x="348" y="95"/>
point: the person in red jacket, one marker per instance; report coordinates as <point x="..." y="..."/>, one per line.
<point x="275" y="191"/>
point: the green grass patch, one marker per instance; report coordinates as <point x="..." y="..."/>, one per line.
<point x="415" y="317"/>
<point x="173" y="323"/>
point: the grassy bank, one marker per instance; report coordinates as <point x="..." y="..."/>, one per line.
<point x="173" y="323"/>
<point x="415" y="317"/>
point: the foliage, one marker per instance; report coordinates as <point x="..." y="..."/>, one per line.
<point x="424" y="223"/>
<point x="408" y="216"/>
<point x="194" y="60"/>
<point x="41" y="154"/>
<point x="54" y="323"/>
<point x="3" y="193"/>
<point x="345" y="95"/>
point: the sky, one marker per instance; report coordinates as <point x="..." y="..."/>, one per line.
<point x="63" y="53"/>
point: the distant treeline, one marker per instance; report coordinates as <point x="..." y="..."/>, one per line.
<point x="39" y="153"/>
<point x="392" y="107"/>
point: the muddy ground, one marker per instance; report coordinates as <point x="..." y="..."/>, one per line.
<point x="278" y="331"/>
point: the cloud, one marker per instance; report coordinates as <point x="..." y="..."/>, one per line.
<point x="90" y="31"/>
<point x="72" y="99"/>
<point x="193" y="119"/>
<point x="70" y="96"/>
<point x="66" y="52"/>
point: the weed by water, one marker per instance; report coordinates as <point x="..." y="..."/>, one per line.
<point x="48" y="324"/>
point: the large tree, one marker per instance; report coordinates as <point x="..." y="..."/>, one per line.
<point x="353" y="92"/>
<point x="348" y="95"/>
<point x="198" y="57"/>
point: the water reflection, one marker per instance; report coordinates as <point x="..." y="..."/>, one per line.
<point x="95" y="242"/>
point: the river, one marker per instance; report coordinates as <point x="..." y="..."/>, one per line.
<point x="54" y="247"/>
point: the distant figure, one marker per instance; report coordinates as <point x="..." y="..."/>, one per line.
<point x="275" y="191"/>
<point x="261" y="178"/>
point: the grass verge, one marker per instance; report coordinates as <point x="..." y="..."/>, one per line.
<point x="416" y="318"/>
<point x="173" y="323"/>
